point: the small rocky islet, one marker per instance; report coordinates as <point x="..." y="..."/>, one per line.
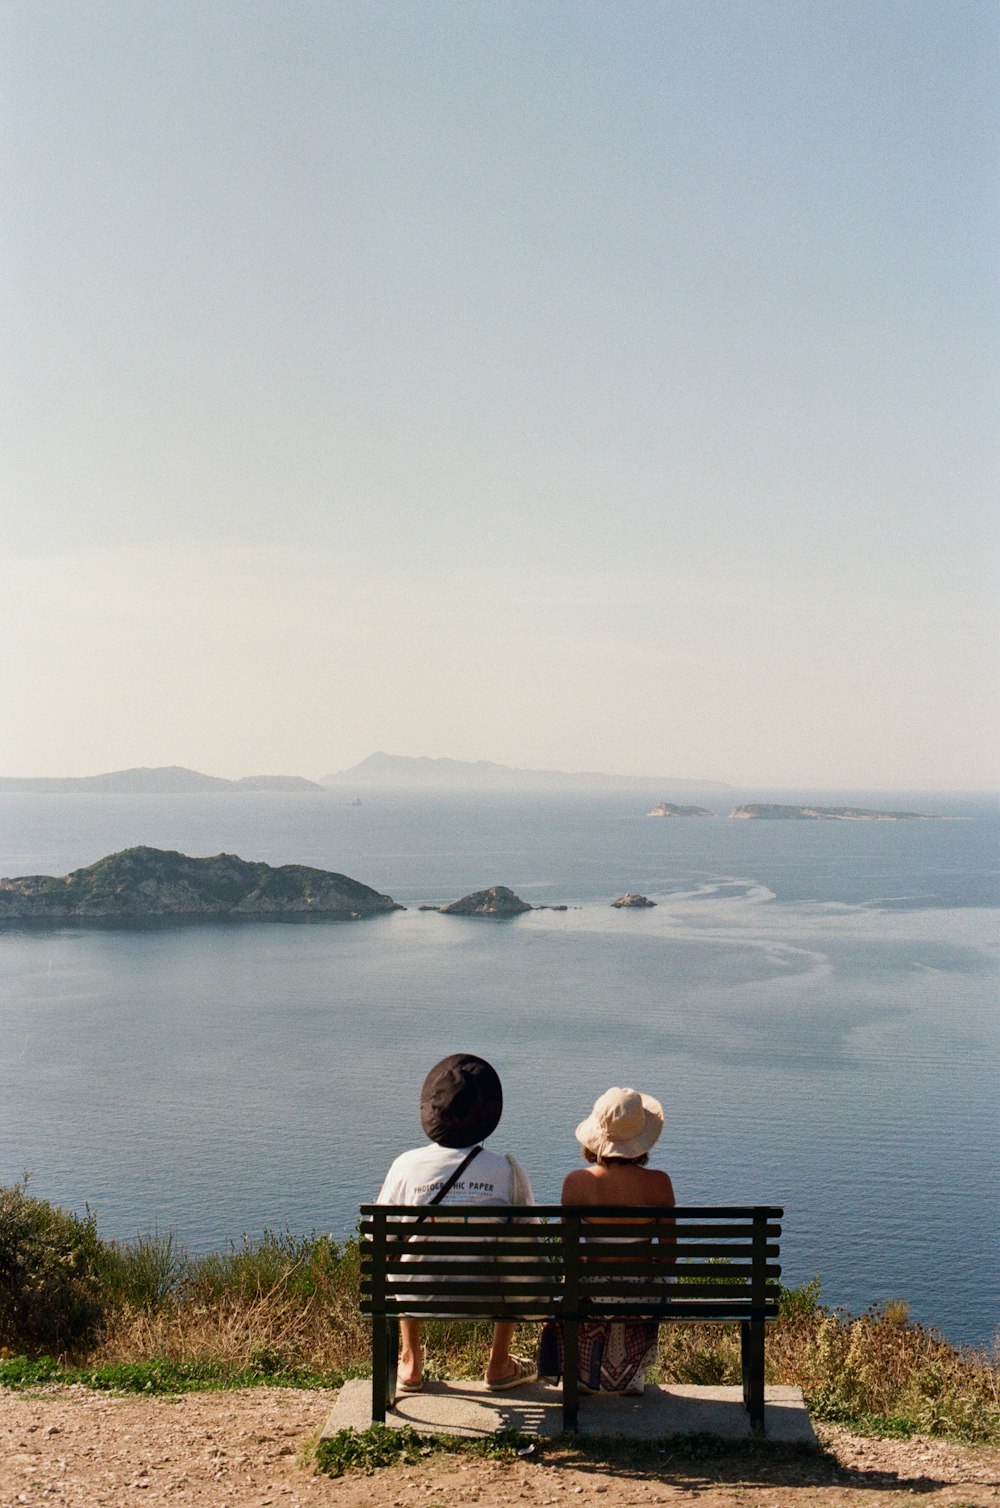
<point x="495" y="900"/>
<point x="672" y="809"/>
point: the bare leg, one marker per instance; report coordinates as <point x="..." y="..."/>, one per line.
<point x="411" y="1356"/>
<point x="500" y="1364"/>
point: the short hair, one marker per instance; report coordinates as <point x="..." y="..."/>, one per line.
<point x="635" y="1162"/>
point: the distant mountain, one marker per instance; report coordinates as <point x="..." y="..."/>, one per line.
<point x="482" y="774"/>
<point x="163" y="780"/>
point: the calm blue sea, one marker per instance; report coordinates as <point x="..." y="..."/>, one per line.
<point x="815" y="1004"/>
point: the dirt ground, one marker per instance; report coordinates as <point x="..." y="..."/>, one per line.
<point x="73" y="1447"/>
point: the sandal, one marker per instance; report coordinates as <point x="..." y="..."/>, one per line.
<point x="524" y="1371"/>
<point x="410" y="1387"/>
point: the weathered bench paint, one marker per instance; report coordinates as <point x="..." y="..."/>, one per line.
<point x="477" y="1262"/>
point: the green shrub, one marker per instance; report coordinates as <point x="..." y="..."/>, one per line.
<point x="19" y="1372"/>
<point x="279" y="1262"/>
<point x="50" y="1296"/>
<point x="800" y="1302"/>
<point x="141" y="1274"/>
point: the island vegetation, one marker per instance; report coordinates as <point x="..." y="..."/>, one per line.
<point x="146" y="1316"/>
<point x="774" y="811"/>
<point x="147" y="883"/>
<point x="671" y="809"/>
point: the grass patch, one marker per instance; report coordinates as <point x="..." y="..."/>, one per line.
<point x="380" y="1446"/>
<point x="160" y="1376"/>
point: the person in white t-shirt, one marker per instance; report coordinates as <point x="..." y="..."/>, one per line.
<point x="460" y="1106"/>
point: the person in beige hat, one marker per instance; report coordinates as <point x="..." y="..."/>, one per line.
<point x="617" y="1138"/>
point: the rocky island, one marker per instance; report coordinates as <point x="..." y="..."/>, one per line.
<point x="771" y="811"/>
<point x="670" y="809"/>
<point x="632" y="898"/>
<point x="141" y="884"/>
<point x="497" y="900"/>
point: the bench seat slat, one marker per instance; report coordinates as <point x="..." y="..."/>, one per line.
<point x="732" y="1310"/>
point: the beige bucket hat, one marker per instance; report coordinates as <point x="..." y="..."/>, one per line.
<point x="623" y="1123"/>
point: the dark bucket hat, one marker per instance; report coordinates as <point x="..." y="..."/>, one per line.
<point x="461" y="1101"/>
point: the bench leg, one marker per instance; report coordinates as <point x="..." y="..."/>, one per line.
<point x="752" y="1357"/>
<point x="385" y="1360"/>
<point x="392" y="1367"/>
<point x="571" y="1377"/>
<point x="379" y="1371"/>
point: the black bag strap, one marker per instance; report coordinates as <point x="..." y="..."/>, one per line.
<point x="454" y="1177"/>
<point x="448" y="1183"/>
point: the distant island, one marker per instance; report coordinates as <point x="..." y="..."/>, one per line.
<point x="145" y="883"/>
<point x="482" y="774"/>
<point x="496" y="901"/>
<point x="669" y="809"/>
<point x="770" y="811"/>
<point x="160" y="780"/>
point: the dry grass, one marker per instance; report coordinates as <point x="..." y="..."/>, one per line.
<point x="280" y="1305"/>
<point x="874" y="1370"/>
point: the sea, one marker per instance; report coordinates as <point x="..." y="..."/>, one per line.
<point x="815" y="1004"/>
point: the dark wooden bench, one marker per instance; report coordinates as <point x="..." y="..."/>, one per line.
<point x="477" y="1262"/>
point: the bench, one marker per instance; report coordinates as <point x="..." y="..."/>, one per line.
<point x="481" y="1262"/>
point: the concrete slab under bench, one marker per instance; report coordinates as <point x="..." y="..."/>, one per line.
<point x="471" y="1409"/>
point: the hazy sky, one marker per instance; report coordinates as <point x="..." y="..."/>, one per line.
<point x="577" y="385"/>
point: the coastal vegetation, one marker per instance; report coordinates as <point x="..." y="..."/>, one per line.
<point x="771" y="811"/>
<point x="145" y="1316"/>
<point x="144" y="883"/>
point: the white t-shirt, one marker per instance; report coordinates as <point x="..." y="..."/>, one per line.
<point x="416" y="1176"/>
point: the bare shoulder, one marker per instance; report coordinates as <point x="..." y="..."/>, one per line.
<point x="660" y="1185"/>
<point x="577" y="1187"/>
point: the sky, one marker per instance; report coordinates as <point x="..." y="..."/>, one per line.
<point x="572" y="385"/>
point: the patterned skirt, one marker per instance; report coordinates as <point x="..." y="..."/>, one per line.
<point x="614" y="1354"/>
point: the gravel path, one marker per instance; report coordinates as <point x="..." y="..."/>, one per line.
<point x="74" y="1447"/>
